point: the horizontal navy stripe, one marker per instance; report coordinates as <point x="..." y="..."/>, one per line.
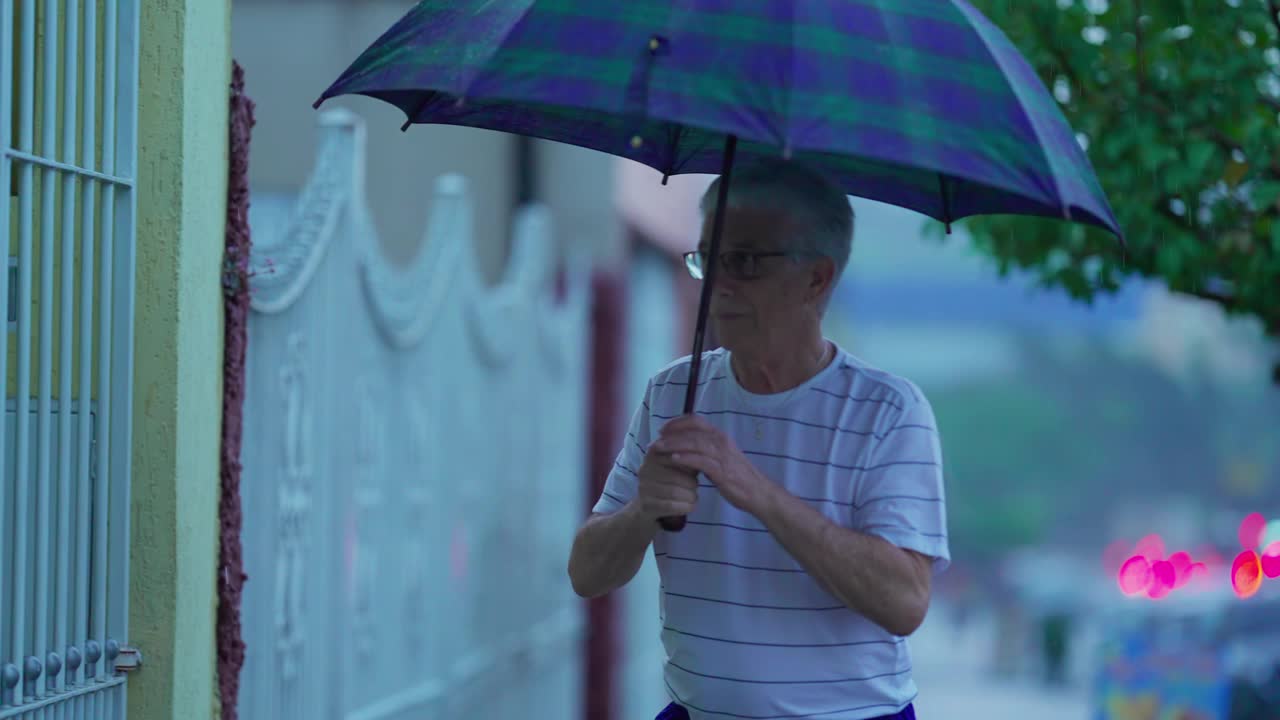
<point x="883" y="526"/>
<point x="639" y="447"/>
<point x="908" y="426"/>
<point x="881" y="466"/>
<point x="614" y="498"/>
<point x="779" y="418"/>
<point x="788" y="682"/>
<point x="841" y="503"/>
<point x="838" y="466"/>
<point x="897" y="641"/>
<point x="798" y="497"/>
<point x="675" y="696"/>
<point x="749" y="605"/>
<point x="863" y="372"/>
<point x="842" y="396"/>
<point x="685" y="382"/>
<point x="620" y="466"/>
<point x="729" y="564"/>
<point x="728" y="525"/>
<point x="896" y="497"/>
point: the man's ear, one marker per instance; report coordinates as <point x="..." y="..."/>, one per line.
<point x="821" y="278"/>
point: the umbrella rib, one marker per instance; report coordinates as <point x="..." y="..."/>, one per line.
<point x="426" y="100"/>
<point x="946" y="201"/>
<point x="674" y="133"/>
<point x="979" y="24"/>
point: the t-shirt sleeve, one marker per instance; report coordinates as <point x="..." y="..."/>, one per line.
<point x="900" y="495"/>
<point x="620" y="486"/>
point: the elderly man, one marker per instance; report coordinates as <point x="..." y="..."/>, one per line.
<point x="812" y="483"/>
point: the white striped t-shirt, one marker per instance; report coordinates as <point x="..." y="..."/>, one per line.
<point x="748" y="633"/>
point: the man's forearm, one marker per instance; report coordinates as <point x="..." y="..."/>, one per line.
<point x="609" y="550"/>
<point x="866" y="573"/>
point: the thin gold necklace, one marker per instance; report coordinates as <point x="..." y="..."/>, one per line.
<point x="822" y="364"/>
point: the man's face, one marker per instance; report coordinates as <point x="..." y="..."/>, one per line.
<point x="761" y="307"/>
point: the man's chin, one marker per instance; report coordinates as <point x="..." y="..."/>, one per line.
<point x="731" y="338"/>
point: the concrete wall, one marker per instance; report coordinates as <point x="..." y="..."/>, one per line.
<point x="182" y="170"/>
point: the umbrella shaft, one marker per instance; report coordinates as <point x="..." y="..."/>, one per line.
<point x="676" y="524"/>
<point x="709" y="273"/>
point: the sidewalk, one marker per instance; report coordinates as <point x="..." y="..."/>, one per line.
<point x="952" y="671"/>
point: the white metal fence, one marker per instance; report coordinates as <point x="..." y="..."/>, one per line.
<point x="414" y="447"/>
<point x="68" y="99"/>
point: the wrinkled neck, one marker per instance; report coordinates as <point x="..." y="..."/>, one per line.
<point x="782" y="368"/>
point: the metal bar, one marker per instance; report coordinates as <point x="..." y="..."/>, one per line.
<point x="89" y="191"/>
<point x="84" y="693"/>
<point x="102" y="484"/>
<point x="26" y="139"/>
<point x="66" y="406"/>
<point x="124" y="161"/>
<point x="6" y="164"/>
<point x="44" y="362"/>
<point x="66" y="167"/>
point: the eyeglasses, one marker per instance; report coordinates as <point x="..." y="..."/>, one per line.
<point x="739" y="264"/>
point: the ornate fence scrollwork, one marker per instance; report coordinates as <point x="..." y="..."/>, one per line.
<point x="402" y="549"/>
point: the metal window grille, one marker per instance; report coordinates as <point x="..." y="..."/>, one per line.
<point x="68" y="130"/>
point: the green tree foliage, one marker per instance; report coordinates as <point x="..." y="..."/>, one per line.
<point x="1178" y="105"/>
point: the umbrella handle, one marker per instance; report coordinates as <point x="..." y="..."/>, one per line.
<point x="676" y="523"/>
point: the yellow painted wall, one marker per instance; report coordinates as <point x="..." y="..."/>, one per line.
<point x="185" y="73"/>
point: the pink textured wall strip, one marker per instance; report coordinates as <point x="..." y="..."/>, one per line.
<point x="235" y="287"/>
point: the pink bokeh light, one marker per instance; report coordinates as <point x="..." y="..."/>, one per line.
<point x="1134" y="576"/>
<point x="1163" y="579"/>
<point x="1246" y="574"/>
<point x="1251" y="529"/>
<point x="1150" y="547"/>
<point x="1271" y="560"/>
<point x="1115" y="555"/>
<point x="1181" y="563"/>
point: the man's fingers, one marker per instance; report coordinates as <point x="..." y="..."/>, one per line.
<point x="680" y="476"/>
<point x="682" y="492"/>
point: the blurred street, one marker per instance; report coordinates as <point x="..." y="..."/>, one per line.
<point x="954" y="671"/>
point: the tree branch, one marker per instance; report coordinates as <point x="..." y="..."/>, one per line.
<point x="1139" y="57"/>
<point x="1275" y="15"/>
<point x="1226" y="301"/>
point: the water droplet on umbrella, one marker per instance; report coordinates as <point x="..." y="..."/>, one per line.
<point x="637" y="142"/>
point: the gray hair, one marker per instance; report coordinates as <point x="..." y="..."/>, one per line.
<point x="818" y="207"/>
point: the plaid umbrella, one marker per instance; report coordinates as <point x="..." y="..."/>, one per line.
<point x="923" y="104"/>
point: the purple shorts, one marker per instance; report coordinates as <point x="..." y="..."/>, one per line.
<point x="677" y="712"/>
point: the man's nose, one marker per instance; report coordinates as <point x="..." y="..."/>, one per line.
<point x="726" y="284"/>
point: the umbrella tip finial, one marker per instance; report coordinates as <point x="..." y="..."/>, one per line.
<point x="316" y="105"/>
<point x="948" y="227"/>
<point x="406" y="125"/>
<point x="665" y="177"/>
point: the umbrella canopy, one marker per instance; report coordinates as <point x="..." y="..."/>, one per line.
<point x="923" y="104"/>
<point x="920" y="103"/>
